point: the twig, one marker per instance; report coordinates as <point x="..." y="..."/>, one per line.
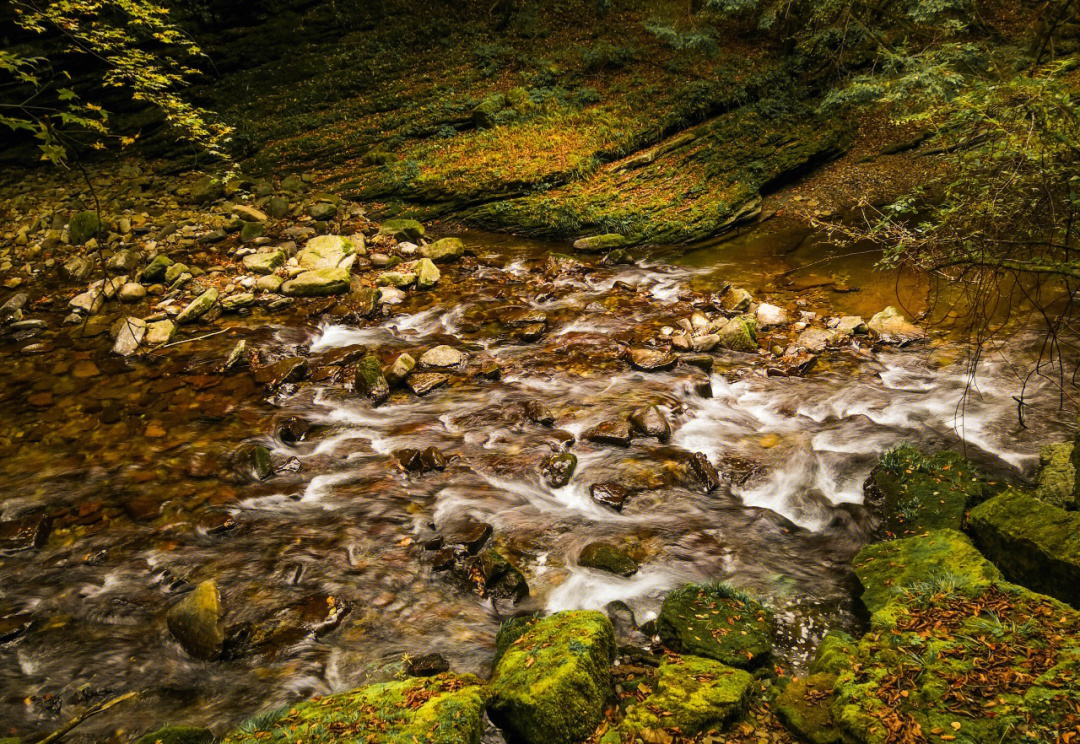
<point x="91" y="711"/>
<point x="190" y="340"/>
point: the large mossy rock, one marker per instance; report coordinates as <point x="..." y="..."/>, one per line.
<point x="403" y="229"/>
<point x="195" y="621"/>
<point x="552" y="680"/>
<point x="718" y="622"/>
<point x="1033" y="543"/>
<point x="82" y="227"/>
<point x="1057" y="475"/>
<point x="318" y="283"/>
<point x="940" y="557"/>
<point x="916" y="492"/>
<point x="955" y="651"/>
<point x="805" y="707"/>
<point x="444" y="250"/>
<point x="325" y="252"/>
<point x="445" y="709"/>
<point x="692" y="696"/>
<point x="177" y="735"/>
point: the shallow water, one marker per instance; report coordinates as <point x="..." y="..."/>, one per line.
<point x="142" y="466"/>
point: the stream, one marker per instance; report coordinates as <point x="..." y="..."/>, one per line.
<point x="140" y="468"/>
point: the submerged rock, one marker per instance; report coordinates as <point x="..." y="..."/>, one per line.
<point x="606" y="557"/>
<point x="552" y="677"/>
<point x="559" y="468"/>
<point x="718" y="622"/>
<point x="194" y="621"/>
<point x="648" y="421"/>
<point x="613" y="431"/>
<point x="444" y="709"/>
<point x="370" y="381"/>
<point x="652" y="360"/>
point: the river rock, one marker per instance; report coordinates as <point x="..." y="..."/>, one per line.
<point x="422" y="383"/>
<point x="652" y="360"/>
<point x="269" y="283"/>
<point x="814" y="339"/>
<point x="718" y="622"/>
<point x="613" y="431"/>
<point x="194" y="621"/>
<point x="76" y="269"/>
<point x="122" y="262"/>
<point x="25" y="532"/>
<point x="648" y="421"/>
<point x="552" y="677"/>
<point x="735" y="300"/>
<point x="400" y="369"/>
<point x="318" y="283"/>
<point x="443" y="251"/>
<point x="737" y="334"/>
<point x="770" y="316"/>
<point x="1033" y="543"/>
<point x="468" y="533"/>
<point x="444" y="709"/>
<point x="249" y="214"/>
<point x="609" y="494"/>
<point x="399" y="279"/>
<point x="83" y="227"/>
<point x="704" y="471"/>
<point x="427" y="274"/>
<point x="804" y="707"/>
<point x="890" y="327"/>
<point x="326" y="252"/>
<point x="130" y="336"/>
<point x="131" y="292"/>
<point x="88" y="302"/>
<point x="1056" y="479"/>
<point x="289" y="369"/>
<point x="198" y="307"/>
<point x="322" y="210"/>
<point x="600" y="243"/>
<point x="427" y="665"/>
<point x="690" y="696"/>
<point x="500" y="578"/>
<point x="370" y="381"/>
<point x="606" y="557"/>
<point x="403" y="230"/>
<point x="538" y="413"/>
<point x="237" y="301"/>
<point x="264" y="263"/>
<point x="175" y="271"/>
<point x="422" y="461"/>
<point x="851" y="325"/>
<point x="155" y="270"/>
<point x="558" y="469"/>
<point x="442" y="357"/>
<point x="159" y="332"/>
<point x="311" y="617"/>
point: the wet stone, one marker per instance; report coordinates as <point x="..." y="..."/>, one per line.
<point x="421" y="461"/>
<point x="345" y="355"/>
<point x="194" y="621"/>
<point x="704" y="471"/>
<point x="370" y="381"/>
<point x="609" y="494"/>
<point x="422" y="383"/>
<point x="613" y="431"/>
<point x="24" y="533"/>
<point x="558" y="469"/>
<point x="606" y="557"/>
<point x="648" y="421"/>
<point x="538" y="413"/>
<point x="290" y="369"/>
<point x="427" y="665"/>
<point x="469" y="533"/>
<point x="13" y="626"/>
<point x="400" y="369"/>
<point x="442" y="357"/>
<point x="293" y="430"/>
<point x="652" y="360"/>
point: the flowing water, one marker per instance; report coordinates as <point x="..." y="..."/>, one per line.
<point x="141" y="468"/>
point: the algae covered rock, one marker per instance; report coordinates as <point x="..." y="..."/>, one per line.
<point x="371" y="381"/>
<point x="427" y="274"/>
<point x="718" y="622"/>
<point x="326" y="252"/>
<point x="82" y="227"/>
<point x="444" y="250"/>
<point x="198" y="307"/>
<point x="318" y="283"/>
<point x="177" y="735"/>
<point x="264" y="263"/>
<point x="1057" y="475"/>
<point x="917" y="492"/>
<point x="403" y="230"/>
<point x="155" y="270"/>
<point x="738" y="335"/>
<point x="834" y="653"/>
<point x="444" y="709"/>
<point x="195" y="622"/>
<point x="606" y="557"/>
<point x="550" y="684"/>
<point x="1033" y="543"/>
<point x="805" y="707"/>
<point x="940" y="557"/>
<point x="692" y="696"/>
<point x="600" y="243"/>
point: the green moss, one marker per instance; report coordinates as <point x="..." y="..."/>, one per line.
<point x="1034" y="543"/>
<point x="718" y="622"/>
<point x="403" y="229"/>
<point x="605" y="557"/>
<point x="916" y="492"/>
<point x="834" y="653"/>
<point x="83" y="226"/>
<point x="805" y="707"/>
<point x="692" y="696"/>
<point x="551" y="683"/>
<point x="1057" y="475"/>
<point x="941" y="559"/>
<point x="318" y="283"/>
<point x="445" y="709"/>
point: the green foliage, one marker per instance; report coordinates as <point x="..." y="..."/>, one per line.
<point x="139" y="50"/>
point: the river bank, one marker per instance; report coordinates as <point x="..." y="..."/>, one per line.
<point x="455" y="432"/>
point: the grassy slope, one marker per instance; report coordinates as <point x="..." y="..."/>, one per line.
<point x="386" y="114"/>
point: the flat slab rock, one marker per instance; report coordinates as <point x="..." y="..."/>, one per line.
<point x="615" y="431"/>
<point x="423" y="383"/>
<point x="652" y="360"/>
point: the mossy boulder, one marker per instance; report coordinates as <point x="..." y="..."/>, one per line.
<point x="444" y="250"/>
<point x="402" y="229"/>
<point x="1057" y="475"/>
<point x="692" y="696"/>
<point x="155" y="270"/>
<point x="1033" y="543"/>
<point x="916" y="492"/>
<point x="981" y="663"/>
<point x="177" y="735"/>
<point x="83" y="226"/>
<point x="805" y="707"/>
<point x="738" y="334"/>
<point x="718" y="622"/>
<point x="606" y="557"/>
<point x="600" y="243"/>
<point x="195" y="621"/>
<point x="264" y="263"/>
<point x="318" y="283"/>
<point x="325" y="252"/>
<point x="444" y="709"/>
<point x="370" y="380"/>
<point x="427" y="273"/>
<point x="399" y="279"/>
<point x="834" y="653"/>
<point x="551" y="683"/>
<point x="198" y="307"/>
<point x="939" y="558"/>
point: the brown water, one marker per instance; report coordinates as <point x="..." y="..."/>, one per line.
<point x="141" y="466"/>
